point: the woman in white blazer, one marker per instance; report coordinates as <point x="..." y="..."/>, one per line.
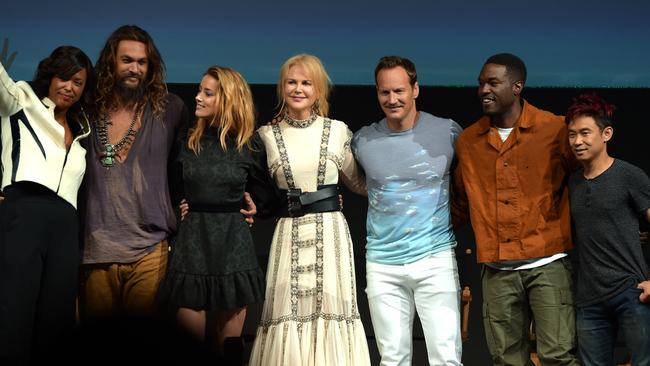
<point x="42" y="165"/>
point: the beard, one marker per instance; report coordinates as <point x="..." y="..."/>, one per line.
<point x="129" y="94"/>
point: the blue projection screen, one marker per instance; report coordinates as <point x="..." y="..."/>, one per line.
<point x="578" y="43"/>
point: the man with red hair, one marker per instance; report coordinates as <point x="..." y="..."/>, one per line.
<point x="607" y="197"/>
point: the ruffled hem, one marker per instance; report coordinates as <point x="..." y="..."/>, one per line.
<point x="206" y="292"/>
<point x="320" y="342"/>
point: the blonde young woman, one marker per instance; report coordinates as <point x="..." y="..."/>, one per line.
<point x="310" y="314"/>
<point x="213" y="265"/>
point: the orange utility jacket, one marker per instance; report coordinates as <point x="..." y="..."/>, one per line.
<point x="515" y="191"/>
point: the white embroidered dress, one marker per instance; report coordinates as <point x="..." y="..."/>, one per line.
<point x="310" y="314"/>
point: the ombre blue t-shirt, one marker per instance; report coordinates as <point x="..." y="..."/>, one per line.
<point x="407" y="174"/>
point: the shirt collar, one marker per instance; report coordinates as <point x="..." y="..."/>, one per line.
<point x="525" y="119"/>
<point x="49" y="104"/>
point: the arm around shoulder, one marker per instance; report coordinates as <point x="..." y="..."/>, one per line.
<point x="458" y="200"/>
<point x="177" y="114"/>
<point x="264" y="194"/>
<point x="352" y="173"/>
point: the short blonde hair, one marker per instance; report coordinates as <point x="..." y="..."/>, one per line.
<point x="235" y="110"/>
<point x="316" y="71"/>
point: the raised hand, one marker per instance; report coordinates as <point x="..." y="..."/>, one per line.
<point x="7" y="61"/>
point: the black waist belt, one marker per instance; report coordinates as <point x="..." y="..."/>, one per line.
<point x="201" y="207"/>
<point x="27" y="189"/>
<point x="297" y="203"/>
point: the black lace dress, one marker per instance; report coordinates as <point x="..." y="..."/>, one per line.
<point x="212" y="263"/>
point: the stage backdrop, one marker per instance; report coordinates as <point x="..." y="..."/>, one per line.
<point x="592" y="43"/>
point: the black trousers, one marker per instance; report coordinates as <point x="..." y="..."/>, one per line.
<point x="39" y="263"/>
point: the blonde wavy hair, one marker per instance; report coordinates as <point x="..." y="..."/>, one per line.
<point x="235" y="110"/>
<point x="321" y="81"/>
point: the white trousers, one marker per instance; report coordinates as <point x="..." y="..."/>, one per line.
<point x="429" y="286"/>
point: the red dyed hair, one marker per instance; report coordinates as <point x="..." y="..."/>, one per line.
<point x="591" y="105"/>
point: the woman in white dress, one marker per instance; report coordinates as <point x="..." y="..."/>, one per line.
<point x="310" y="314"/>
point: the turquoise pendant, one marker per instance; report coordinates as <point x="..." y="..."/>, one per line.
<point x="108" y="156"/>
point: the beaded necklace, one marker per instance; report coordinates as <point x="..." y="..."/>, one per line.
<point x="107" y="155"/>
<point x="300" y="123"/>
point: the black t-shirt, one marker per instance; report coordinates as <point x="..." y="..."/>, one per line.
<point x="605" y="212"/>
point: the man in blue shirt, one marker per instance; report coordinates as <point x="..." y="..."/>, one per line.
<point x="410" y="261"/>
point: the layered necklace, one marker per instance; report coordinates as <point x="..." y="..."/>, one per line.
<point x="108" y="152"/>
<point x="300" y="123"/>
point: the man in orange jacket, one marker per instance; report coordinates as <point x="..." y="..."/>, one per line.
<point x="510" y="180"/>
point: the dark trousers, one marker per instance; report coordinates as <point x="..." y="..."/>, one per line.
<point x="509" y="300"/>
<point x="600" y="324"/>
<point x="39" y="263"/>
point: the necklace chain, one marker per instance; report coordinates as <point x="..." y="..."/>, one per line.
<point x="107" y="156"/>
